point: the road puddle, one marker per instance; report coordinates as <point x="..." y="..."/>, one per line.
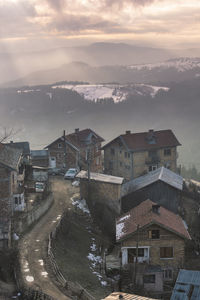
<point x="41" y="262"/>
<point x="29" y="278"/>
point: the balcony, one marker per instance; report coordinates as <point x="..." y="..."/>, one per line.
<point x="155" y="159"/>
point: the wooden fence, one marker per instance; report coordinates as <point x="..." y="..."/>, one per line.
<point x="73" y="288"/>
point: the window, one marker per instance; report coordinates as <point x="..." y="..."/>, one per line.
<point x="166" y="252"/>
<point x="97" y="161"/>
<point x="152" y="153"/>
<point x="16" y="200"/>
<point x="167" y="274"/>
<point x="58" y="155"/>
<point x="59" y="145"/>
<point x="154" y="234"/>
<point x="120" y="163"/>
<point x="149" y="278"/>
<point x="132" y="252"/>
<point x="127" y="154"/>
<point x="112" y="151"/>
<point x="152" y="168"/>
<point x="167" y="152"/>
<point x="20" y="201"/>
<point x="110" y="165"/>
<point x="13" y="178"/>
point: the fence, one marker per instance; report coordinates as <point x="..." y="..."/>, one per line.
<point x="73" y="288"/>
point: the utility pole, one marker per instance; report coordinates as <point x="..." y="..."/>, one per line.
<point x="136" y="259"/>
<point x="65" y="150"/>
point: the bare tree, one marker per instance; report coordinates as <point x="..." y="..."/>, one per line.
<point x="6" y="133"/>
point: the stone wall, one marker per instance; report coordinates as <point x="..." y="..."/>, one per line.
<point x="21" y="223"/>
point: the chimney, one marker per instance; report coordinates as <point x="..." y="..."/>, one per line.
<point x="76" y="130"/>
<point x="128" y="132"/>
<point x="156" y="208"/>
<point x="151" y="131"/>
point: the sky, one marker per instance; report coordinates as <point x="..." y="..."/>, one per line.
<point x="35" y="24"/>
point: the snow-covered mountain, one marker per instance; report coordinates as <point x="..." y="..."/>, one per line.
<point x="118" y="93"/>
<point x="180" y="64"/>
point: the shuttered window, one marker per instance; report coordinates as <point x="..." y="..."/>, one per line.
<point x="166" y="252"/>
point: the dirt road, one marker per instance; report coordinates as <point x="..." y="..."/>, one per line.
<point x="32" y="247"/>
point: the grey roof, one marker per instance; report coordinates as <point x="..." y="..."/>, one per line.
<point x="100" y="177"/>
<point x="183" y="287"/>
<point x="162" y="174"/>
<point x="10" y="157"/>
<point x="39" y="153"/>
<point x="24" y="146"/>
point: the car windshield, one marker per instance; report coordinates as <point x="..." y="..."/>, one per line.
<point x="71" y="171"/>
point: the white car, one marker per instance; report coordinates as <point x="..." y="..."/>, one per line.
<point x="71" y="173"/>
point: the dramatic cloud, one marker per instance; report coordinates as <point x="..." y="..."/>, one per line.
<point x="159" y="20"/>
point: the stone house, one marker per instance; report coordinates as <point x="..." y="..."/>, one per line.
<point x="103" y="196"/>
<point x="76" y="150"/>
<point x="131" y="155"/>
<point x="152" y="235"/>
<point x="162" y="186"/>
<point x="11" y="190"/>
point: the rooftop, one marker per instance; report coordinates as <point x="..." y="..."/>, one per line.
<point x="10" y="157"/>
<point x="162" y="174"/>
<point x="39" y="153"/>
<point x="187" y="281"/>
<point x="24" y="146"/>
<point x="100" y="177"/>
<point x="125" y="296"/>
<point x="144" y="215"/>
<point x="147" y="140"/>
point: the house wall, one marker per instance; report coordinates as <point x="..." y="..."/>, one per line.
<point x="152" y="287"/>
<point x="158" y="192"/>
<point x="40" y="161"/>
<point x="104" y="202"/>
<point x="167" y="239"/>
<point x="74" y="158"/>
<point x="135" y="164"/>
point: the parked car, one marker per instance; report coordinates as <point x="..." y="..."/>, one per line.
<point x="71" y="173"/>
<point x="39" y="187"/>
<point x="56" y="171"/>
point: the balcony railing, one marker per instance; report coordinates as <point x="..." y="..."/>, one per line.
<point x="152" y="159"/>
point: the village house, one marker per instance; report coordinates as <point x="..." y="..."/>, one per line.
<point x="76" y="150"/>
<point x="11" y="190"/>
<point x="151" y="235"/>
<point x="131" y="155"/>
<point x="161" y="186"/>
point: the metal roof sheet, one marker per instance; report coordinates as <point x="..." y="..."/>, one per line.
<point x="100" y="177"/>
<point x="35" y="153"/>
<point x="162" y="174"/>
<point x="10" y="156"/>
<point x="182" y="288"/>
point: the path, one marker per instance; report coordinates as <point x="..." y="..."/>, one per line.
<point x="33" y="246"/>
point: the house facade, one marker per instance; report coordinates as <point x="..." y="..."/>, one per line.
<point x="131" y="155"/>
<point x="76" y="150"/>
<point x="152" y="235"/>
<point x="11" y="190"/>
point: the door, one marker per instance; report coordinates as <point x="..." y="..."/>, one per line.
<point x="52" y="162"/>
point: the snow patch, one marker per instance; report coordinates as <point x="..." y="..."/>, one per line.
<point x="119" y="230"/>
<point x="124" y="218"/>
<point x="81" y="204"/>
<point x="29" y="278"/>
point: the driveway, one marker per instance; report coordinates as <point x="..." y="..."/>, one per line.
<point x="33" y="246"/>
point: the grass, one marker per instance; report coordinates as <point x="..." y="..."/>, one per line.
<point x="72" y="247"/>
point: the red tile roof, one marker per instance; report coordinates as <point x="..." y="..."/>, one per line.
<point x="143" y="215"/>
<point x="116" y="296"/>
<point x="141" y="140"/>
<point x="78" y="138"/>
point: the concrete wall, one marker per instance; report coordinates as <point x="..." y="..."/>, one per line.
<point x="22" y="223"/>
<point x="119" y="162"/>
